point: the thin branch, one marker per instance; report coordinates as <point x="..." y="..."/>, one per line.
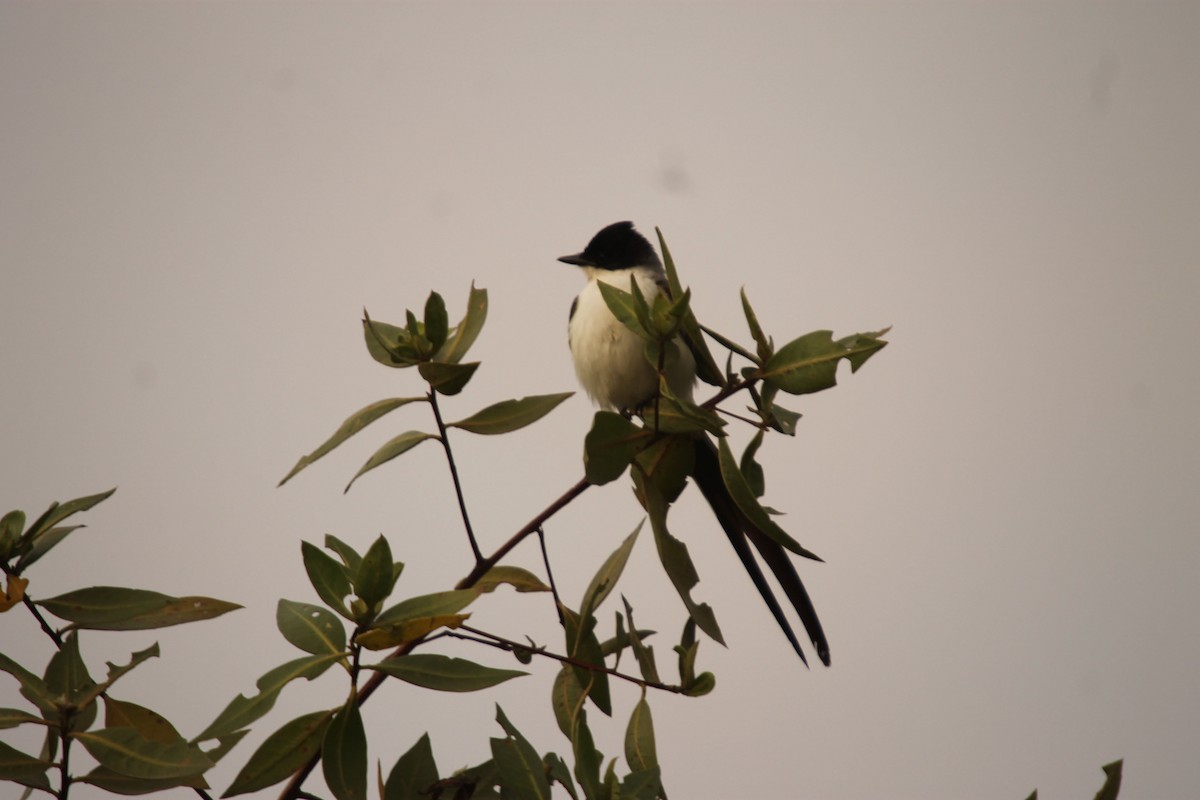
<point x="462" y="504"/>
<point x="550" y="576"/>
<point x="33" y="609"/>
<point x="505" y="644"/>
<point x="754" y="423"/>
<point x="64" y="765"/>
<point x="729" y="390"/>
<point x="481" y="567"/>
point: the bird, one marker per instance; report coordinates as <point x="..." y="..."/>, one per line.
<point x="613" y="370"/>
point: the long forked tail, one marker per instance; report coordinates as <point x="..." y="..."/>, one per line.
<point x="742" y="533"/>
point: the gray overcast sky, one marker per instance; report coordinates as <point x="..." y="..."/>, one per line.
<point x="197" y="200"/>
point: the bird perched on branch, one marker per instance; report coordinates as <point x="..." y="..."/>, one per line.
<point x="611" y="364"/>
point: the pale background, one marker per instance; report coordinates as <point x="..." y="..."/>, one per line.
<point x="197" y="200"/>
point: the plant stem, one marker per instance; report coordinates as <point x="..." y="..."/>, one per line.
<point x="462" y="504"/>
<point x="481" y="567"/>
<point x="64" y="766"/>
<point x="33" y="609"/>
<point x="550" y="576"/>
<point x="731" y="389"/>
<point x="505" y="644"/>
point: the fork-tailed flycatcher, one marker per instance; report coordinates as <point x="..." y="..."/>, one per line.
<point x="611" y="365"/>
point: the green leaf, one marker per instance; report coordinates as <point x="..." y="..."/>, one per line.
<point x="667" y="463"/>
<point x="447" y="379"/>
<point x="327" y="577"/>
<point x="809" y="364"/>
<point x="66" y="674"/>
<point x="623" y="640"/>
<point x="428" y="605"/>
<point x="416" y="617"/>
<point x="114" y="608"/>
<point x="751" y="470"/>
<point x="43" y="534"/>
<point x="643" y="654"/>
<point x="33" y="688"/>
<point x="510" y="415"/>
<point x="861" y="346"/>
<point x="521" y="769"/>
<point x="12" y="717"/>
<point x="644" y="784"/>
<point x="23" y="768"/>
<point x="557" y="770"/>
<point x="624" y="306"/>
<point x="567" y="698"/>
<point x="282" y="753"/>
<point x="729" y="344"/>
<point x="705" y="682"/>
<point x="765" y="347"/>
<point x="346" y="553"/>
<point x="442" y="673"/>
<point x="243" y="710"/>
<point x="116" y="783"/>
<point x="115" y="672"/>
<point x="747" y="503"/>
<point x="1112" y="781"/>
<point x="610" y="446"/>
<point x="414" y="773"/>
<point x="520" y="579"/>
<point x="772" y="414"/>
<point x="640" y="751"/>
<point x="128" y="752"/>
<point x="584" y="647"/>
<point x="150" y="724"/>
<point x="674" y="556"/>
<point x="395" y="447"/>
<point x="344" y="754"/>
<point x="706" y="368"/>
<point x="587" y="760"/>
<point x="464" y="334"/>
<point x="57" y="513"/>
<point x="607" y="576"/>
<point x="311" y="628"/>
<point x="225" y="744"/>
<point x="388" y="344"/>
<point x="43" y="543"/>
<point x="353" y="424"/>
<point x="673" y="415"/>
<point x="437" y="322"/>
<point x="11" y="526"/>
<point x="105" y="604"/>
<point x="374" y="578"/>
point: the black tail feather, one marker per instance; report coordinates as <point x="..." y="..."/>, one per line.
<point x="739" y="529"/>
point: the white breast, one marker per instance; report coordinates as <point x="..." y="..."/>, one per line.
<point x="609" y="358"/>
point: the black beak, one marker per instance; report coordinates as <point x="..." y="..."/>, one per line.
<point x="577" y="260"/>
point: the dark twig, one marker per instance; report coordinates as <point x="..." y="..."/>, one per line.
<point x="462" y="504"/>
<point x="550" y="576"/>
<point x="505" y="644"/>
<point x="33" y="609"/>
<point x="483" y="566"/>
<point x="729" y="390"/>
